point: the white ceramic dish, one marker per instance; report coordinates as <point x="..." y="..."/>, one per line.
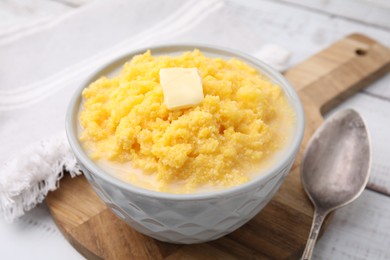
<point x="187" y="218"/>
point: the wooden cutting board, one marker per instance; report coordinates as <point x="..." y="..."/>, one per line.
<point x="280" y="230"/>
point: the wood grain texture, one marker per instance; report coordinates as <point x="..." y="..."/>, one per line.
<point x="280" y="230"/>
<point x="370" y="12"/>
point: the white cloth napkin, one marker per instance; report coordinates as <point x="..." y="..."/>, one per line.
<point x="26" y="179"/>
<point x="41" y="67"/>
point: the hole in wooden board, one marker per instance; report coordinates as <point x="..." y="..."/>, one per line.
<point x="360" y="52"/>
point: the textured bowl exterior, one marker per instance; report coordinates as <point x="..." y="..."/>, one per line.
<point x="187" y="218"/>
<point x="187" y="222"/>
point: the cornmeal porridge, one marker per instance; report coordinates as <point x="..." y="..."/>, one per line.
<point x="235" y="133"/>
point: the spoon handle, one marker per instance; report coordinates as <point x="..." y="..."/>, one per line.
<point x="315" y="229"/>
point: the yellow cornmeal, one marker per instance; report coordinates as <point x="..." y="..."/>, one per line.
<point x="243" y="120"/>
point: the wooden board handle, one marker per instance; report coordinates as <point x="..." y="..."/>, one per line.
<point x="336" y="73"/>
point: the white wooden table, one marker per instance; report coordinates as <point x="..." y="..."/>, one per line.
<point x="360" y="230"/>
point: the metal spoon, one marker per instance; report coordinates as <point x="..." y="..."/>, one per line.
<point x="335" y="167"/>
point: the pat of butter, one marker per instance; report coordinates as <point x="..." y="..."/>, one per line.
<point x="182" y="87"/>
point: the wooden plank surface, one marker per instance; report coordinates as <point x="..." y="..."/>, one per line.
<point x="372" y="12"/>
<point x="286" y="220"/>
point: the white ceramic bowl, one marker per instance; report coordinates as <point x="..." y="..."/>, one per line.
<point x="187" y="218"/>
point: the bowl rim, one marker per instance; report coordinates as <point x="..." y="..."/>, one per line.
<point x="80" y="154"/>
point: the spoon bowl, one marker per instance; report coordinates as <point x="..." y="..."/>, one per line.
<point x="335" y="167"/>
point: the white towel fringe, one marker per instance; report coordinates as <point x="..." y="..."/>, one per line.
<point x="26" y="179"/>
